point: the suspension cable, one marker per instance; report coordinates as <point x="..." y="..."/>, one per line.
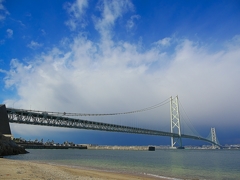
<point x="102" y="114"/>
<point x="188" y="123"/>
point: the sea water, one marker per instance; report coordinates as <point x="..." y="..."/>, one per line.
<point x="181" y="164"/>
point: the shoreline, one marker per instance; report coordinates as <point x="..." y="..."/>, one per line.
<point x="19" y="169"/>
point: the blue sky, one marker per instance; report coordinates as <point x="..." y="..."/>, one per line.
<point x="116" y="56"/>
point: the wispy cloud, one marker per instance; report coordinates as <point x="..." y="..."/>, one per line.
<point x="111" y="11"/>
<point x="131" y="22"/>
<point x="43" y="32"/>
<point x="34" y="45"/>
<point x="3" y="11"/>
<point x="76" y="12"/>
<point x="9" y="33"/>
<point x="164" y="42"/>
<point x="18" y="21"/>
<point x="3" y="71"/>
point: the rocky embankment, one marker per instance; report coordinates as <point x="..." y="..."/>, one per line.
<point x="9" y="147"/>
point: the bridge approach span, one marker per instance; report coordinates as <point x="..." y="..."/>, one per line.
<point x="43" y="119"/>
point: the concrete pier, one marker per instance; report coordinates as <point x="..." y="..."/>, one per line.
<point x="4" y="122"/>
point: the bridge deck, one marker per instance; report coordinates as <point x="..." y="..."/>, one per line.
<point x="44" y="119"/>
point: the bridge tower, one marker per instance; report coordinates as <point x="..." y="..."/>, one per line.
<point x="213" y="137"/>
<point x="175" y="122"/>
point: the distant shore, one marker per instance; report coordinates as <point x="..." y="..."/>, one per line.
<point x="105" y="147"/>
<point x="16" y="169"/>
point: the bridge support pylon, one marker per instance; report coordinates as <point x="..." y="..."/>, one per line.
<point x="214" y="138"/>
<point x="175" y="123"/>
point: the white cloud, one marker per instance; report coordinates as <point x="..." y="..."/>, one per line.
<point x="85" y="79"/>
<point x="114" y="76"/>
<point x="3" y="71"/>
<point x="34" y="45"/>
<point x="164" y="42"/>
<point x="9" y="33"/>
<point x="76" y="11"/>
<point x="110" y="11"/>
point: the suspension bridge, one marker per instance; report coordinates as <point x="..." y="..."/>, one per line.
<point x="64" y="119"/>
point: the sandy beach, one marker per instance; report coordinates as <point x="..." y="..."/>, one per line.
<point x="24" y="170"/>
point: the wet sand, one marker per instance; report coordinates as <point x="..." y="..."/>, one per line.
<point x="25" y="170"/>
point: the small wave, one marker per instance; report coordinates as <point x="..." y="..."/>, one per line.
<point x="157" y="176"/>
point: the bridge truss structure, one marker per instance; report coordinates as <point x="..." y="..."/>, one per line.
<point x="22" y="116"/>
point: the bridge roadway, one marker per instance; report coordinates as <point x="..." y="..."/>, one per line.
<point x="44" y="119"/>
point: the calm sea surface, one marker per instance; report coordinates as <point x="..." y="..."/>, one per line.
<point x="190" y="164"/>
